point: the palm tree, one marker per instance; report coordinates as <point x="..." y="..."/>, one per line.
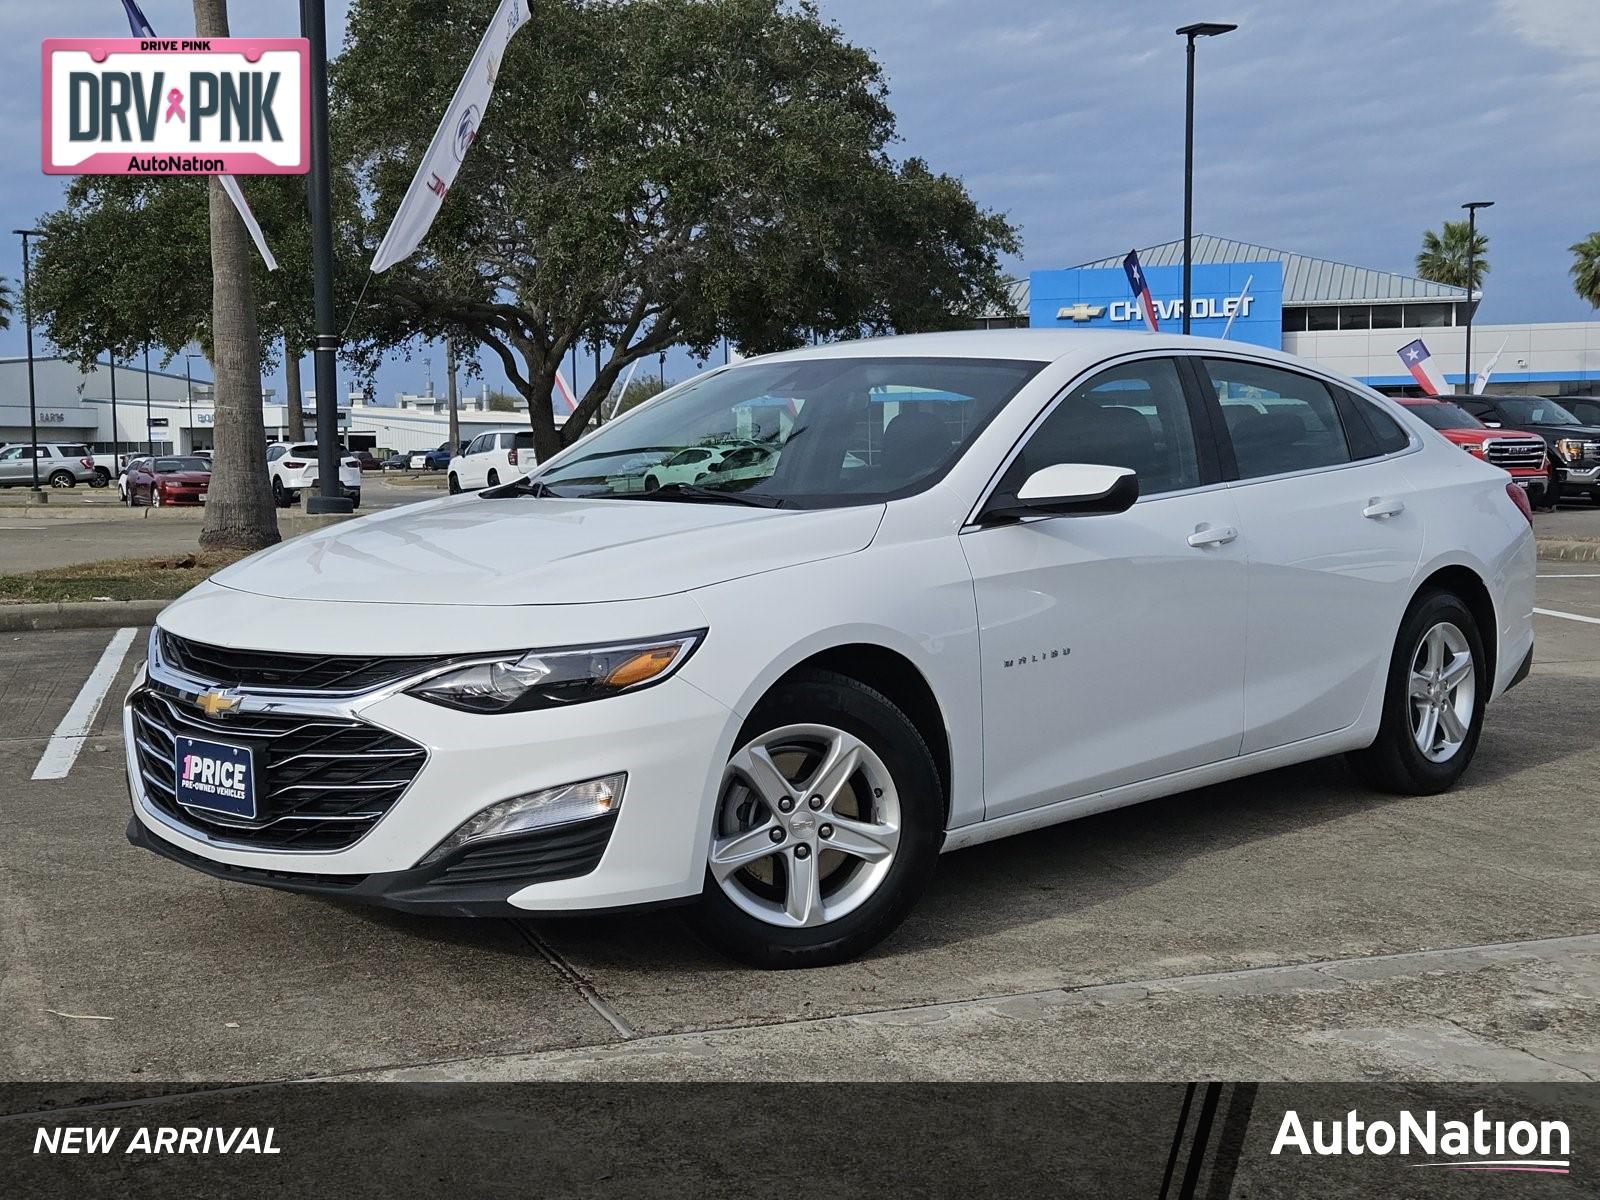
<point x="8" y="306"/>
<point x="240" y="513"/>
<point x="1444" y="257"/>
<point x="1586" y="268"/>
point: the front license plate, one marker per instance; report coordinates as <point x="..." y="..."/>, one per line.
<point x="202" y="497"/>
<point x="215" y="776"/>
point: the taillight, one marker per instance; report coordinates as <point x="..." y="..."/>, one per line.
<point x="1520" y="499"/>
<point x="511" y="457"/>
<point x="352" y="462"/>
<point x="88" y="462"/>
<point x="292" y="465"/>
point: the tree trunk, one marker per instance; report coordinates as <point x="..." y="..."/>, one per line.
<point x="239" y="509"/>
<point x="292" y="392"/>
<point x="450" y="393"/>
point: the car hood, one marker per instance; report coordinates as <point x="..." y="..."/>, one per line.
<point x="522" y="550"/>
<point x="1584" y="433"/>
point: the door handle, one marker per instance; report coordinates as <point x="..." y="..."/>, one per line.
<point x="1383" y="506"/>
<point x="1212" y="535"/>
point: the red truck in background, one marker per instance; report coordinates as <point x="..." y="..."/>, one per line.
<point x="1521" y="455"/>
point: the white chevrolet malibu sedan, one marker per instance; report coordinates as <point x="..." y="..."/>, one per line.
<point x="984" y="582"/>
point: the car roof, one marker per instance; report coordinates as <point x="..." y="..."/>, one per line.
<point x="1087" y="346"/>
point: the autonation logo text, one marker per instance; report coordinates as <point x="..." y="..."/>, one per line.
<point x="1480" y="1144"/>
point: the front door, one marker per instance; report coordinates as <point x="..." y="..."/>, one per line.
<point x="1112" y="646"/>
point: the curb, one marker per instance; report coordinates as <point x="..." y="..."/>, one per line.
<point x="1568" y="550"/>
<point x="103" y="614"/>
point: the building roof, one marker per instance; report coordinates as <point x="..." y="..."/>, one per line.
<point x="1305" y="280"/>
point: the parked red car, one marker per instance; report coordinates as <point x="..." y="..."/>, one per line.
<point x="1521" y="455"/>
<point x="174" y="480"/>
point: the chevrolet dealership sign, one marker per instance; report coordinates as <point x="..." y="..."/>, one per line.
<point x="1098" y="297"/>
<point x="169" y="106"/>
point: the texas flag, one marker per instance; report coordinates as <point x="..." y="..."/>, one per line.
<point x="1141" y="289"/>
<point x="564" y="403"/>
<point x="1420" y="363"/>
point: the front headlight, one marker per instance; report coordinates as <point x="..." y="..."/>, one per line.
<point x="553" y="678"/>
<point x="1570" y="449"/>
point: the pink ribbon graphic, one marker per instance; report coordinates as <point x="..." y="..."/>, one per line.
<point x="175" y="105"/>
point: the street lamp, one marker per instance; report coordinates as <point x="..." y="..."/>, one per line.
<point x="1472" y="207"/>
<point x="27" y="320"/>
<point x="1199" y="30"/>
<point x="188" y="379"/>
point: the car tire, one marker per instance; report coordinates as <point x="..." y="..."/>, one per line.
<point x="355" y="499"/>
<point x="652" y="484"/>
<point x="494" y="479"/>
<point x="102" y="478"/>
<point x="1437" y="629"/>
<point x="803" y="724"/>
<point x="62" y="479"/>
<point x="280" y="495"/>
<point x="1594" y="495"/>
<point x="155" y="497"/>
<point x="453" y="485"/>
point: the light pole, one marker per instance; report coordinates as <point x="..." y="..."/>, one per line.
<point x="149" y="427"/>
<point x="27" y="321"/>
<point x="116" y="446"/>
<point x="1199" y="30"/>
<point x="1472" y="207"/>
<point x="188" y="378"/>
<point x="330" y="497"/>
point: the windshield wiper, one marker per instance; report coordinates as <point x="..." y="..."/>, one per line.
<point x="694" y="492"/>
<point x="521" y="486"/>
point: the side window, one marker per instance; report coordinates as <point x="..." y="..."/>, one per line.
<point x="477" y="444"/>
<point x="10" y="453"/>
<point x="1279" y="421"/>
<point x="1134" y="415"/>
<point x="1386" y="432"/>
<point x="274" y="453"/>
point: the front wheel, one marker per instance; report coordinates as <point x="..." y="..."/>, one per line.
<point x="1433" y="704"/>
<point x="828" y="825"/>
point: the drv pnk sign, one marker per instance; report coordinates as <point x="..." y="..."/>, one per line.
<point x="170" y="106"/>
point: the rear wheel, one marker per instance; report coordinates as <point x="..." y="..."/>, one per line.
<point x="453" y="484"/>
<point x="828" y="825"/>
<point x="62" y="479"/>
<point x="652" y="484"/>
<point x="280" y="495"/>
<point x="494" y="479"/>
<point x="1433" y="704"/>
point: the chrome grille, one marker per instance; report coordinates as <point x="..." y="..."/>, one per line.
<point x="226" y="666"/>
<point x="1514" y="453"/>
<point x="321" y="782"/>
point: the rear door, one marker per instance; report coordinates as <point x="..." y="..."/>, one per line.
<point x="1331" y="544"/>
<point x="1112" y="646"/>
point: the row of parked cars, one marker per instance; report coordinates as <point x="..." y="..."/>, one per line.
<point x="1550" y="447"/>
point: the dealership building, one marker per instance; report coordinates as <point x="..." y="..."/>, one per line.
<point x="74" y="405"/>
<point x="1352" y="320"/>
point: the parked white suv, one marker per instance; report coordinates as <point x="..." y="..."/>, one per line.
<point x="492" y="458"/>
<point x="995" y="580"/>
<point x="292" y="467"/>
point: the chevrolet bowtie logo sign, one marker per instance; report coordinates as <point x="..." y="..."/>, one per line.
<point x="1079" y="312"/>
<point x="217" y="704"/>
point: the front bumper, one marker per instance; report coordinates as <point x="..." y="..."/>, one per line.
<point x="670" y="740"/>
<point x="1580" y="477"/>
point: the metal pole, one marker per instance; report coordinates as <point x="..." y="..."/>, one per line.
<point x="27" y="320"/>
<point x="330" y="497"/>
<point x="149" y="429"/>
<point x="116" y="446"/>
<point x="1472" y="233"/>
<point x="1188" y="180"/>
<point x="188" y="379"/>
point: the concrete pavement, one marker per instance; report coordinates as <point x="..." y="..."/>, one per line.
<point x="1290" y="926"/>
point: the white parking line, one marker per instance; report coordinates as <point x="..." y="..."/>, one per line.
<point x="62" y="750"/>
<point x="1565" y="616"/>
<point x="1574" y="576"/>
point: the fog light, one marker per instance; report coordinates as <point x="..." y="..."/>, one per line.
<point x="536" y="810"/>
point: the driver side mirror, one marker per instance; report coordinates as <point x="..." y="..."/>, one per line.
<point x="1066" y="490"/>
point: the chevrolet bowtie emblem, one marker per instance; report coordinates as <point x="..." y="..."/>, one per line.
<point x="217" y="704"/>
<point x="1079" y="312"/>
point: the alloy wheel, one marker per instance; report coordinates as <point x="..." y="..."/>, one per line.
<point x="1442" y="692"/>
<point x="808" y="825"/>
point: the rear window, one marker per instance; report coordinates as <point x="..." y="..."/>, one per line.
<point x="303" y="451"/>
<point x="523" y="440"/>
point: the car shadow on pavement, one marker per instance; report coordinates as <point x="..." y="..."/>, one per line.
<point x="1258" y="830"/>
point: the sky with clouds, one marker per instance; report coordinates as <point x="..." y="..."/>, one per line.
<point x="1336" y="128"/>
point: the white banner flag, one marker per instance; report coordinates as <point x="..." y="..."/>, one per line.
<point x="1482" y="381"/>
<point x="451" y="140"/>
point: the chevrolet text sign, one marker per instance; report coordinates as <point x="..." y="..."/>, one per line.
<point x="160" y="106"/>
<point x="1097" y="297"/>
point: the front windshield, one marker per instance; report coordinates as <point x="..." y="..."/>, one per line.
<point x="168" y="466"/>
<point x="1444" y="415"/>
<point x="817" y="433"/>
<point x="1537" y="411"/>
